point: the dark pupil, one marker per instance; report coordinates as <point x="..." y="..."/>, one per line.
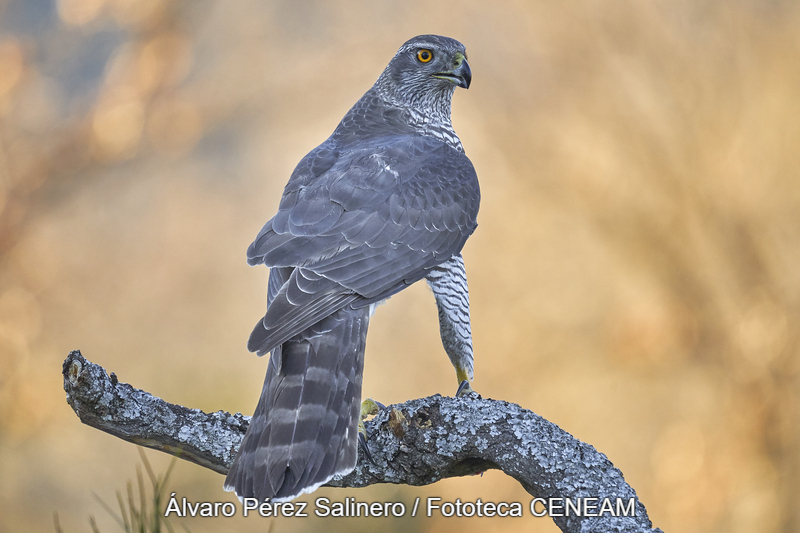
<point x="425" y="55"/>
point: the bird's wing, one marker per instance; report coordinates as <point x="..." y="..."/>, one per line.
<point x="361" y="223"/>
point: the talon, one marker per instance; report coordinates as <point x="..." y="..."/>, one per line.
<point x="463" y="389"/>
<point x="362" y="441"/>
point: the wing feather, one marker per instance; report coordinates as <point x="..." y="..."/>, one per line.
<point x="379" y="217"/>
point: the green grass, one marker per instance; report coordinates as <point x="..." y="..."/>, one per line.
<point x="139" y="512"/>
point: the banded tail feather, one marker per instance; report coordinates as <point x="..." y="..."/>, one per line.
<point x="304" y="429"/>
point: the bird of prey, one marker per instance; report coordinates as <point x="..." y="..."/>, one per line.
<point x="388" y="199"/>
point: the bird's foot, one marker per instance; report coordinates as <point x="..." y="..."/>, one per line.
<point x="369" y="407"/>
<point x="362" y="443"/>
<point x="464" y="389"/>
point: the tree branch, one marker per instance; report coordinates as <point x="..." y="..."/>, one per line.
<point x="415" y="443"/>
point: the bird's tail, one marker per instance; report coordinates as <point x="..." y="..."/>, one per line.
<point x="305" y="427"/>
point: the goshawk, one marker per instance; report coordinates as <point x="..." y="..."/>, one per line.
<point x="388" y="199"/>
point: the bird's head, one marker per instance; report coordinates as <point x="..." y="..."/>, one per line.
<point x="427" y="68"/>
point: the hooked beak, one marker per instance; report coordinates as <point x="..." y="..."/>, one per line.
<point x="461" y="75"/>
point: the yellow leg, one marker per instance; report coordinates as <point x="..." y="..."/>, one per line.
<point x="463" y="382"/>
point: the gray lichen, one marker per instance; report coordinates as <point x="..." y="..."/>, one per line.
<point x="415" y="443"/>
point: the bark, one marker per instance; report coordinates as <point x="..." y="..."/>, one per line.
<point x="414" y="443"/>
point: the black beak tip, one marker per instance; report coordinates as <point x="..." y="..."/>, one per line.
<point x="466" y="75"/>
<point x="461" y="76"/>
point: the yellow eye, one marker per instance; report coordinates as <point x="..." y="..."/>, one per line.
<point x="424" y="55"/>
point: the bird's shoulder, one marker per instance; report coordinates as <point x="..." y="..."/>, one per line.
<point x="402" y="162"/>
<point x="383" y="192"/>
<point x="401" y="177"/>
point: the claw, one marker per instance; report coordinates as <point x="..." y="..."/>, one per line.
<point x="362" y="442"/>
<point x="463" y="389"/>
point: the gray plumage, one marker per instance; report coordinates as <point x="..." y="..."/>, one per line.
<point x="388" y="199"/>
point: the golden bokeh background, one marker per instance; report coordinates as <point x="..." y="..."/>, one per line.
<point x="634" y="279"/>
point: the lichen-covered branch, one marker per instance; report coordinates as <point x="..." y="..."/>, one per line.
<point x="415" y="443"/>
<point x="101" y="401"/>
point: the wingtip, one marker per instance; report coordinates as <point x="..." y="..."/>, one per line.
<point x="260" y="340"/>
<point x="253" y="258"/>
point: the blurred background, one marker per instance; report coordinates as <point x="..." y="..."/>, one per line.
<point x="634" y="278"/>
